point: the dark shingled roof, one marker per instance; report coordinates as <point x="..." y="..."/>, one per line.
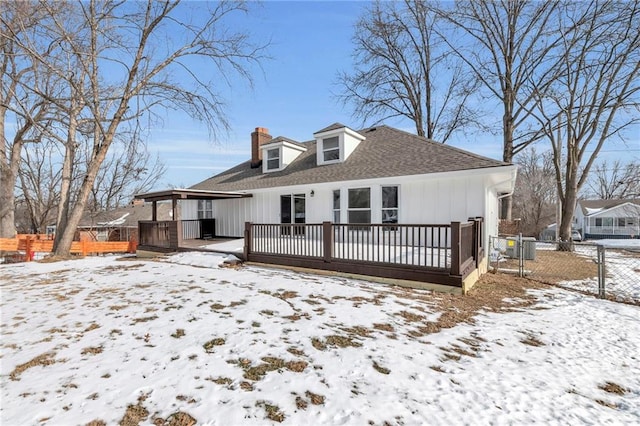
<point x="334" y="126"/>
<point x="605" y="204"/>
<point x="386" y="152"/>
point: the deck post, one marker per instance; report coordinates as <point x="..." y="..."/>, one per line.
<point x="247" y="240"/>
<point x="154" y="211"/>
<point x="327" y="241"/>
<point x="455" y="248"/>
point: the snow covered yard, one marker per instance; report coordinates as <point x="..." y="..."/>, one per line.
<point x="106" y="341"/>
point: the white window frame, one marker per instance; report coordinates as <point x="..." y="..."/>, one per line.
<point x="205" y="209"/>
<point x="326" y="150"/>
<point x="358" y="209"/>
<point x="396" y="208"/>
<point x="277" y="158"/>
<point x="336" y="210"/>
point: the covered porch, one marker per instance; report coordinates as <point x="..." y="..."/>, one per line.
<point x="180" y="234"/>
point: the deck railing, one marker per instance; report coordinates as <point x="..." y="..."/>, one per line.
<point x="417" y="252"/>
<point x="191" y="229"/>
<point x="160" y="233"/>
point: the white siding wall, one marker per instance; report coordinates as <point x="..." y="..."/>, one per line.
<point x="423" y="199"/>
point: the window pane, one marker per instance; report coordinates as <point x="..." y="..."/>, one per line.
<point x="359" y="198"/>
<point x="330" y="143"/>
<point x="299" y="208"/>
<point x="363" y="216"/>
<point x="389" y="197"/>
<point x="285" y="209"/>
<point x="598" y="221"/>
<point x="273" y="164"/>
<point x="621" y="222"/>
<point x="273" y="153"/>
<point x="331" y="155"/>
<point x="200" y="204"/>
<point x="336" y="199"/>
<point x="336" y="216"/>
<point x="390" y="216"/>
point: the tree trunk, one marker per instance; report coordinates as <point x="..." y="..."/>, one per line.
<point x="65" y="189"/>
<point x="507" y="157"/>
<point x="568" y="210"/>
<point x="8" y="176"/>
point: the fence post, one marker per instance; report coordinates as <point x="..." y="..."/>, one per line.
<point x="83" y="248"/>
<point x="455" y="248"/>
<point x="477" y="227"/>
<point x="247" y="240"/>
<point x="601" y="272"/>
<point x="327" y="241"/>
<point x="28" y="255"/>
<point x="520" y="256"/>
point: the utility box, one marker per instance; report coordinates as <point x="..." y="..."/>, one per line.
<point x="512" y="247"/>
<point x="529" y="248"/>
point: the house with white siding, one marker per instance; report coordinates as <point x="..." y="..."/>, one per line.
<point x="377" y="175"/>
<point x="615" y="219"/>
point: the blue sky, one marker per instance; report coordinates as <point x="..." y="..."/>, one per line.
<point x="291" y="94"/>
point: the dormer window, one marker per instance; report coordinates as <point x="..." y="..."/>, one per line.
<point x="279" y="153"/>
<point x="273" y="159"/>
<point x="331" y="149"/>
<point x="335" y="144"/>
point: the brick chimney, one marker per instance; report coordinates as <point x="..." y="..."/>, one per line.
<point x="259" y="137"/>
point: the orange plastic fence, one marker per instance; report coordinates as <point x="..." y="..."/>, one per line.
<point x="84" y="248"/>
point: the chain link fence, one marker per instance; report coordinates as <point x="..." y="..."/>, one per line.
<point x="611" y="272"/>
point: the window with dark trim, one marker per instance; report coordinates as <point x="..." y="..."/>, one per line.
<point x="331" y="149"/>
<point x="273" y="159"/>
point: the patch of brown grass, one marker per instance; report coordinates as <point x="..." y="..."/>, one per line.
<point x="144" y="319"/>
<point x="611" y="387"/>
<point x="532" y="341"/>
<point x="296" y="351"/>
<point x="134" y="415"/>
<point x="96" y="422"/>
<point x="92" y="327"/>
<point x="384" y="327"/>
<point x="217" y="306"/>
<point x="178" y="334"/>
<point x="410" y="317"/>
<point x="437" y="368"/>
<point x="93" y="350"/>
<point x="211" y="344"/>
<point x="341" y="341"/>
<point x="179" y="418"/>
<point x="301" y="403"/>
<point x="246" y="386"/>
<point x="606" y="403"/>
<point x="380" y="369"/>
<point x="315" y="398"/>
<point x="41" y="360"/>
<point x="273" y="412"/>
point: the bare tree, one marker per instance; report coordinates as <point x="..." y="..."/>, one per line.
<point x="615" y="180"/>
<point x="39" y="181"/>
<point x="594" y="95"/>
<point x="510" y="40"/>
<point x="133" y="58"/>
<point x="403" y="68"/>
<point x="534" y="198"/>
<point x="128" y="170"/>
<point x="18" y="107"/>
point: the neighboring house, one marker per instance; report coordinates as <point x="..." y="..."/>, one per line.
<point x="375" y="175"/>
<point x="599" y="219"/>
<point x="120" y="224"/>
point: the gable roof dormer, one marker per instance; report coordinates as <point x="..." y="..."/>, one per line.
<point x="335" y="143"/>
<point x="278" y="153"/>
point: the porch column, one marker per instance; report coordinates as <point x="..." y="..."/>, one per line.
<point x="154" y="211"/>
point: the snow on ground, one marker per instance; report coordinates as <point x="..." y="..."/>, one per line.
<point x="622" y="278"/>
<point x="628" y="243"/>
<point x="242" y="346"/>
